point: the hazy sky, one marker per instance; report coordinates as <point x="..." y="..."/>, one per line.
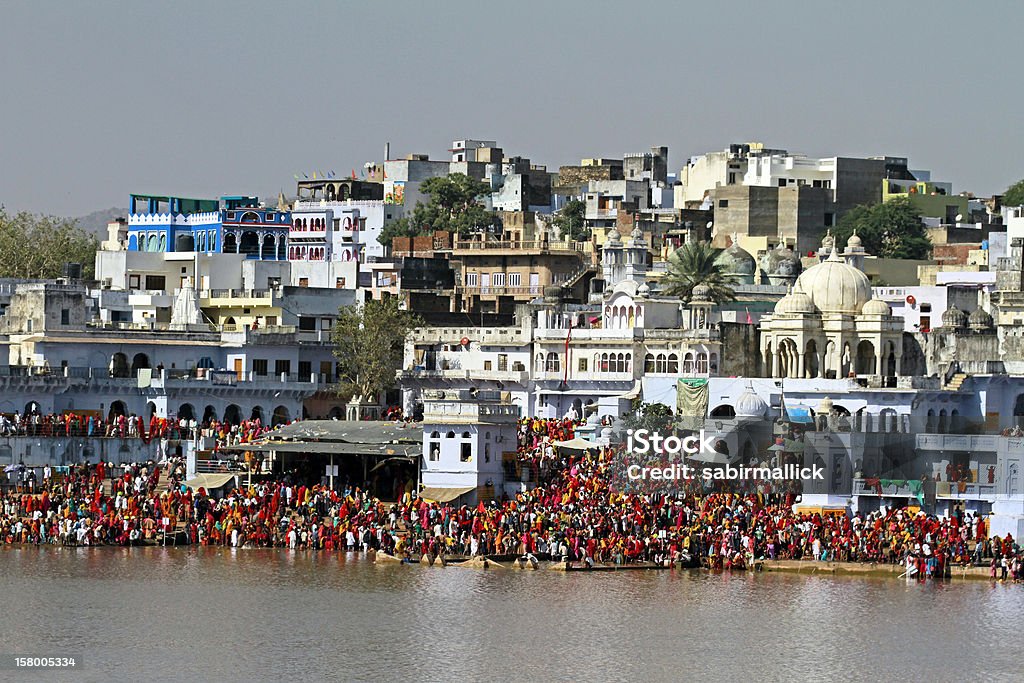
<point x="101" y="99"/>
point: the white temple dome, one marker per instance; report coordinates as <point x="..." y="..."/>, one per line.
<point x="749" y="404"/>
<point x="876" y="307"/>
<point x="834" y="286"/>
<point x="796" y="302"/>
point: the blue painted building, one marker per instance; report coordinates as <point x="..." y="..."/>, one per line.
<point x="231" y="225"/>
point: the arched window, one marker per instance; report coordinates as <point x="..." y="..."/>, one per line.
<point x="540" y="362"/>
<point x="627" y="363"/>
<point x="661" y="363"/>
<point x="649" y="363"/>
<point x="466" y="435"/>
<point x="713" y="366"/>
<point x="604" y="362"/>
<point x="702" y="362"/>
<point x="673" y="363"/>
<point x="552" y="364"/>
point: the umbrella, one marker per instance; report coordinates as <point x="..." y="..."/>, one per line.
<point x="14" y="468"/>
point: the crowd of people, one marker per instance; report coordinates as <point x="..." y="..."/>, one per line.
<point x="574" y="514"/>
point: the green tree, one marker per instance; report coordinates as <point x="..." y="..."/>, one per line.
<point x="369" y="344"/>
<point x="1014" y="195"/>
<point x="571" y="221"/>
<point x="892" y="229"/>
<point x="35" y="246"/>
<point x="454" y="205"/>
<point x="697" y="263"/>
<point x="654" y="417"/>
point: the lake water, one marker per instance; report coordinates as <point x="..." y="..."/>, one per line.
<point x="220" y="614"/>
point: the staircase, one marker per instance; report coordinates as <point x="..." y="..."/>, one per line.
<point x="955" y="382"/>
<point x="578" y="275"/>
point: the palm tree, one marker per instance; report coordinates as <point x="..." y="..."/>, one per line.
<point x="696" y="263"/>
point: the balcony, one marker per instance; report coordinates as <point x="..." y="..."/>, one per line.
<point x="513" y="247"/>
<point x="944" y="490"/>
<point x="509" y="376"/>
<point x="534" y="290"/>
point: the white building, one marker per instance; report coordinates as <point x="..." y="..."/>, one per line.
<point x="467" y="436"/>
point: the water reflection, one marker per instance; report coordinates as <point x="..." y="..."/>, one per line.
<point x="271" y="614"/>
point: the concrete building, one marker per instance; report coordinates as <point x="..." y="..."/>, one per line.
<point x="468" y="437"/>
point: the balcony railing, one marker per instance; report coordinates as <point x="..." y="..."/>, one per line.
<point x="518" y="245"/>
<point x="501" y="290"/>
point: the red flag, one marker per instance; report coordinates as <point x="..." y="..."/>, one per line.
<point x="353" y="174"/>
<point x="568" y="337"/>
<point x="750" y="321"/>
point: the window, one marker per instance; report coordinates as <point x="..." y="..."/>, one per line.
<point x="723" y="203"/>
<point x="270" y="216"/>
<point x="133" y="282"/>
<point x="782" y="182"/>
<point x="515" y="279"/>
<point x="155" y="282"/>
<point x="303" y="282"/>
<point x="926" y="308"/>
<point x="583" y="365"/>
<point x="326" y="323"/>
<point x="339" y="283"/>
<point x="551" y="363"/>
<point x="259" y="366"/>
<point x="502" y="362"/>
<point x="305" y="369"/>
<point x="487" y="365"/>
<point x="499" y="279"/>
<point x="471" y="279"/>
<point x="282" y="367"/>
<point x="65" y="316"/>
<point x="466" y="452"/>
<point x="307" y="323"/>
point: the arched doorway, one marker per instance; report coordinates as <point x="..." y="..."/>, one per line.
<point x="269" y="247"/>
<point x="724" y="411"/>
<point x="209" y="415"/>
<point x="281" y="416"/>
<point x="186" y="412"/>
<point x="31" y="407"/>
<point x="230" y="243"/>
<point x="865" y="358"/>
<point x="119" y="365"/>
<point x="150" y="411"/>
<point x="811" y="363"/>
<point x="117" y="408"/>
<point x="185" y="242"/>
<point x="233" y="414"/>
<point x="257" y="414"/>
<point x="139" y="362"/>
<point x="1018" y="411"/>
<point x="249" y="244"/>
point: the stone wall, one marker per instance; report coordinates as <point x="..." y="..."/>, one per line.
<point x="740" y="354"/>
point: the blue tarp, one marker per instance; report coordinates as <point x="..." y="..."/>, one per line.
<point x="798" y="414"/>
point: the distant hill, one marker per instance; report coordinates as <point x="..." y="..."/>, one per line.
<point x="95" y="223"/>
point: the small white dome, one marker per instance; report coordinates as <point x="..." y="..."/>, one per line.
<point x="854" y="241"/>
<point x="876" y="307"/>
<point x="750" y="404"/>
<point x="643" y="290"/>
<point x="614" y="237"/>
<point x="795" y="303"/>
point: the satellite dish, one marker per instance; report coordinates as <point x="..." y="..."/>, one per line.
<point x="710" y="223"/>
<point x="959" y="217"/>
